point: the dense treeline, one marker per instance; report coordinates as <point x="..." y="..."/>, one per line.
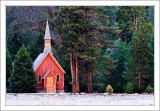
<point x="96" y="46"/>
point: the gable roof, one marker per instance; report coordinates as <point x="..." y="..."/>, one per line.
<point x="40" y="59"/>
<point x="49" y="70"/>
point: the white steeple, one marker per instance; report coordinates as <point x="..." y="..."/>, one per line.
<point x="47" y="32"/>
<point x="47" y="40"/>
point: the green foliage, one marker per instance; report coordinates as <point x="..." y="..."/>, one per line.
<point x="118" y="54"/>
<point x="8" y="67"/>
<point x="101" y="88"/>
<point x="152" y="43"/>
<point x="14" y="42"/>
<point x="37" y="47"/>
<point x="130" y="87"/>
<point x="150" y="14"/>
<point x="105" y="70"/>
<point x="88" y="33"/>
<point x="148" y="27"/>
<point x="149" y="89"/>
<point x="139" y="64"/>
<point x="22" y="79"/>
<point x="78" y="37"/>
<point x="109" y="89"/>
<point x="125" y="20"/>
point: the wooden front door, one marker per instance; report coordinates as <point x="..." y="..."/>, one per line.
<point x="50" y="85"/>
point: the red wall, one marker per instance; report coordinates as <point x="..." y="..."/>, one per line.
<point x="49" y="63"/>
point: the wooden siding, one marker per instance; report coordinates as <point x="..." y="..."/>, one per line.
<point x="49" y="63"/>
<point x="45" y="80"/>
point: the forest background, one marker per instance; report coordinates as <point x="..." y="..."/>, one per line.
<point x="96" y="46"/>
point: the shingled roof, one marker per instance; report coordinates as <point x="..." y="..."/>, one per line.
<point x="39" y="60"/>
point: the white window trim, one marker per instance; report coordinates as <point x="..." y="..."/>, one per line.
<point x="38" y="78"/>
<point x="59" y="78"/>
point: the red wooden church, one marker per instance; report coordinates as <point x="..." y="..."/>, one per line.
<point x="49" y="73"/>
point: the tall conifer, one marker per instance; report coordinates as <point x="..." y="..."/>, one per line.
<point x="23" y="78"/>
<point x="8" y="67"/>
<point x="139" y="60"/>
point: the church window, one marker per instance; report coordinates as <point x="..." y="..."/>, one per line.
<point x="39" y="78"/>
<point x="58" y="78"/>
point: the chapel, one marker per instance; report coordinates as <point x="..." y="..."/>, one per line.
<point x="49" y="73"/>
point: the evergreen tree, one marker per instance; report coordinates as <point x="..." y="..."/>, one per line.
<point x="150" y="14"/>
<point x="37" y="47"/>
<point x="139" y="62"/>
<point x="127" y="18"/>
<point x="79" y="38"/>
<point x="14" y="42"/>
<point x="105" y="70"/>
<point x="73" y="26"/>
<point x="8" y="67"/>
<point x="117" y="81"/>
<point x="98" y="35"/>
<point x="152" y="43"/>
<point x="23" y="78"/>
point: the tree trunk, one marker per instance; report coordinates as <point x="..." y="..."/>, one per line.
<point x="135" y="21"/>
<point x="72" y="72"/>
<point x="87" y="79"/>
<point x="77" y="75"/>
<point x="139" y="66"/>
<point x="89" y="88"/>
<point x="139" y="77"/>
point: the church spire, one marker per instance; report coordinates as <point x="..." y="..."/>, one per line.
<point x="47" y="32"/>
<point x="47" y="40"/>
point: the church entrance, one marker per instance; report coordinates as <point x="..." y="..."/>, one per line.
<point x="49" y="81"/>
<point x="50" y="85"/>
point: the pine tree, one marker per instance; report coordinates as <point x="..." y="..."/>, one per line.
<point x="139" y="60"/>
<point x="37" y="47"/>
<point x="152" y="42"/>
<point x="73" y="27"/>
<point x="23" y="78"/>
<point x="98" y="30"/>
<point x="118" y="54"/>
<point x="8" y="67"/>
<point x="127" y="18"/>
<point x="14" y="42"/>
<point x="150" y="14"/>
<point x="78" y="37"/>
<point x="82" y="26"/>
<point x="105" y="70"/>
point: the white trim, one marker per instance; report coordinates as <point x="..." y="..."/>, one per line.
<point x="53" y="59"/>
<point x="52" y="74"/>
<point x="57" y="62"/>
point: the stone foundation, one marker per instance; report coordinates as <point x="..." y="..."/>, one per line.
<point x="44" y="91"/>
<point x="59" y="91"/>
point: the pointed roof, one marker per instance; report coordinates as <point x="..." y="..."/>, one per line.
<point x="49" y="70"/>
<point x="47" y="32"/>
<point x="40" y="59"/>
